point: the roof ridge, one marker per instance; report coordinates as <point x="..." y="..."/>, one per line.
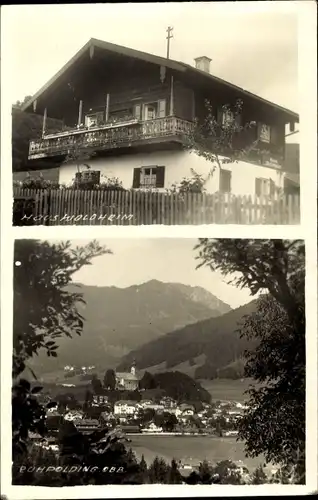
<point x="152" y="58"/>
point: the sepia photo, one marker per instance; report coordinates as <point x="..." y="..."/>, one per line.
<point x="159" y="250"/>
<point x="174" y="124"/>
<point x="147" y="361"/>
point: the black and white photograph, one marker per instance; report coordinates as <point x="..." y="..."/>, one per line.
<point x="158" y="361"/>
<point x="130" y="115"/>
<point x="159" y="250"/>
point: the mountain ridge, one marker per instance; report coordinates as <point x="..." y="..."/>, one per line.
<point x="118" y="320"/>
<point x="216" y="339"/>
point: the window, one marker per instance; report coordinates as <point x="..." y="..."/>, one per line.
<point x="94" y="119"/>
<point x="121" y="115"/>
<point x="227" y="117"/>
<point x="151" y="176"/>
<point x="264" y="132"/>
<point x="148" y="177"/>
<point x="155" y="110"/>
<point x="276" y="136"/>
<point x="264" y="187"/>
<point x="225" y="181"/>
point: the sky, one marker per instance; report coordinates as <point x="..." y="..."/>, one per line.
<point x="137" y="260"/>
<point x="252" y="44"/>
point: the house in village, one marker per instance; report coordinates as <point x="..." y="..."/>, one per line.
<point x="127" y="381"/>
<point x="125" y="407"/>
<point x="99" y="400"/>
<point x="87" y="425"/>
<point x="73" y="415"/>
<point x="132" y="112"/>
<point x="152" y="427"/>
<point x="187" y="410"/>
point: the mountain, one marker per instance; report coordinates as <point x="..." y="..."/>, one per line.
<point x="202" y="296"/>
<point x="212" y="343"/>
<point x="121" y="319"/>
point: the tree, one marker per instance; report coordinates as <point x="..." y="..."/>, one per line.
<point x="174" y="476"/>
<point x="88" y="400"/>
<point x="19" y="104"/>
<point x="221" y="143"/>
<point x="226" y="472"/>
<point x="194" y="184"/>
<point x="146" y="416"/>
<point x="169" y="422"/>
<point x="80" y="155"/>
<point x="143" y="470"/>
<point x="205" y="472"/>
<point x="158" y="471"/>
<point x="147" y="381"/>
<point x="193" y="478"/>
<point x="110" y="380"/>
<point x="27" y="127"/>
<point x="259" y="476"/>
<point x="96" y="385"/>
<point x="274" y="422"/>
<point x="44" y="310"/>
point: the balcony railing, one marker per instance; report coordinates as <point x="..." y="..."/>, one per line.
<point x="109" y="136"/>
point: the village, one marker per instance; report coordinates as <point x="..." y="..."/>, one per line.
<point x="165" y="417"/>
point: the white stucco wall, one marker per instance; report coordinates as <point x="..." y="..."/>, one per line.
<point x="178" y="164"/>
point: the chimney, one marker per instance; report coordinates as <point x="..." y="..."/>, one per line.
<point x="203" y="63"/>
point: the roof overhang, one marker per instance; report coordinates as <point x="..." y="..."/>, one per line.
<point x="161" y="61"/>
<point x="116" y="49"/>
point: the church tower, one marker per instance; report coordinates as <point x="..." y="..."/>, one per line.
<point x="133" y="368"/>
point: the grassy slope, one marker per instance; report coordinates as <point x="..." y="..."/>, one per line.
<point x="232" y="390"/>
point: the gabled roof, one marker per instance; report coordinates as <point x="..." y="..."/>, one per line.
<point x="145" y="56"/>
<point x="126" y="376"/>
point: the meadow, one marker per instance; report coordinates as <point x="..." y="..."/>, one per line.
<point x="227" y="389"/>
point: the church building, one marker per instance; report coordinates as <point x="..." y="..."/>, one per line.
<point x="127" y="381"/>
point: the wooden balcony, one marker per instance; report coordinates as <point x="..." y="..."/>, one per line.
<point x="110" y="136"/>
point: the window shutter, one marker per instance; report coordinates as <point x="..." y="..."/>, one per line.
<point x="274" y="135"/>
<point x="162" y="108"/>
<point x="136" y="178"/>
<point x="272" y="188"/>
<point x="160" y="177"/>
<point x="258" y="187"/>
<point x="219" y="116"/>
<point x="225" y="181"/>
<point x="137" y="111"/>
<point x="238" y="120"/>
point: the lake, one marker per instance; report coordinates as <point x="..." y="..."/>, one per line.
<point x="190" y="449"/>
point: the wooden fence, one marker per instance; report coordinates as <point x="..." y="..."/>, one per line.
<point x="98" y="207"/>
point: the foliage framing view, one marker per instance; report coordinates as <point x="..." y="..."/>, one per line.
<point x="274" y="423"/>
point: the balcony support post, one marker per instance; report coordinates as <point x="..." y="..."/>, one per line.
<point x="107" y="109"/>
<point x="80" y="111"/>
<point x="171" y="98"/>
<point x="44" y="122"/>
